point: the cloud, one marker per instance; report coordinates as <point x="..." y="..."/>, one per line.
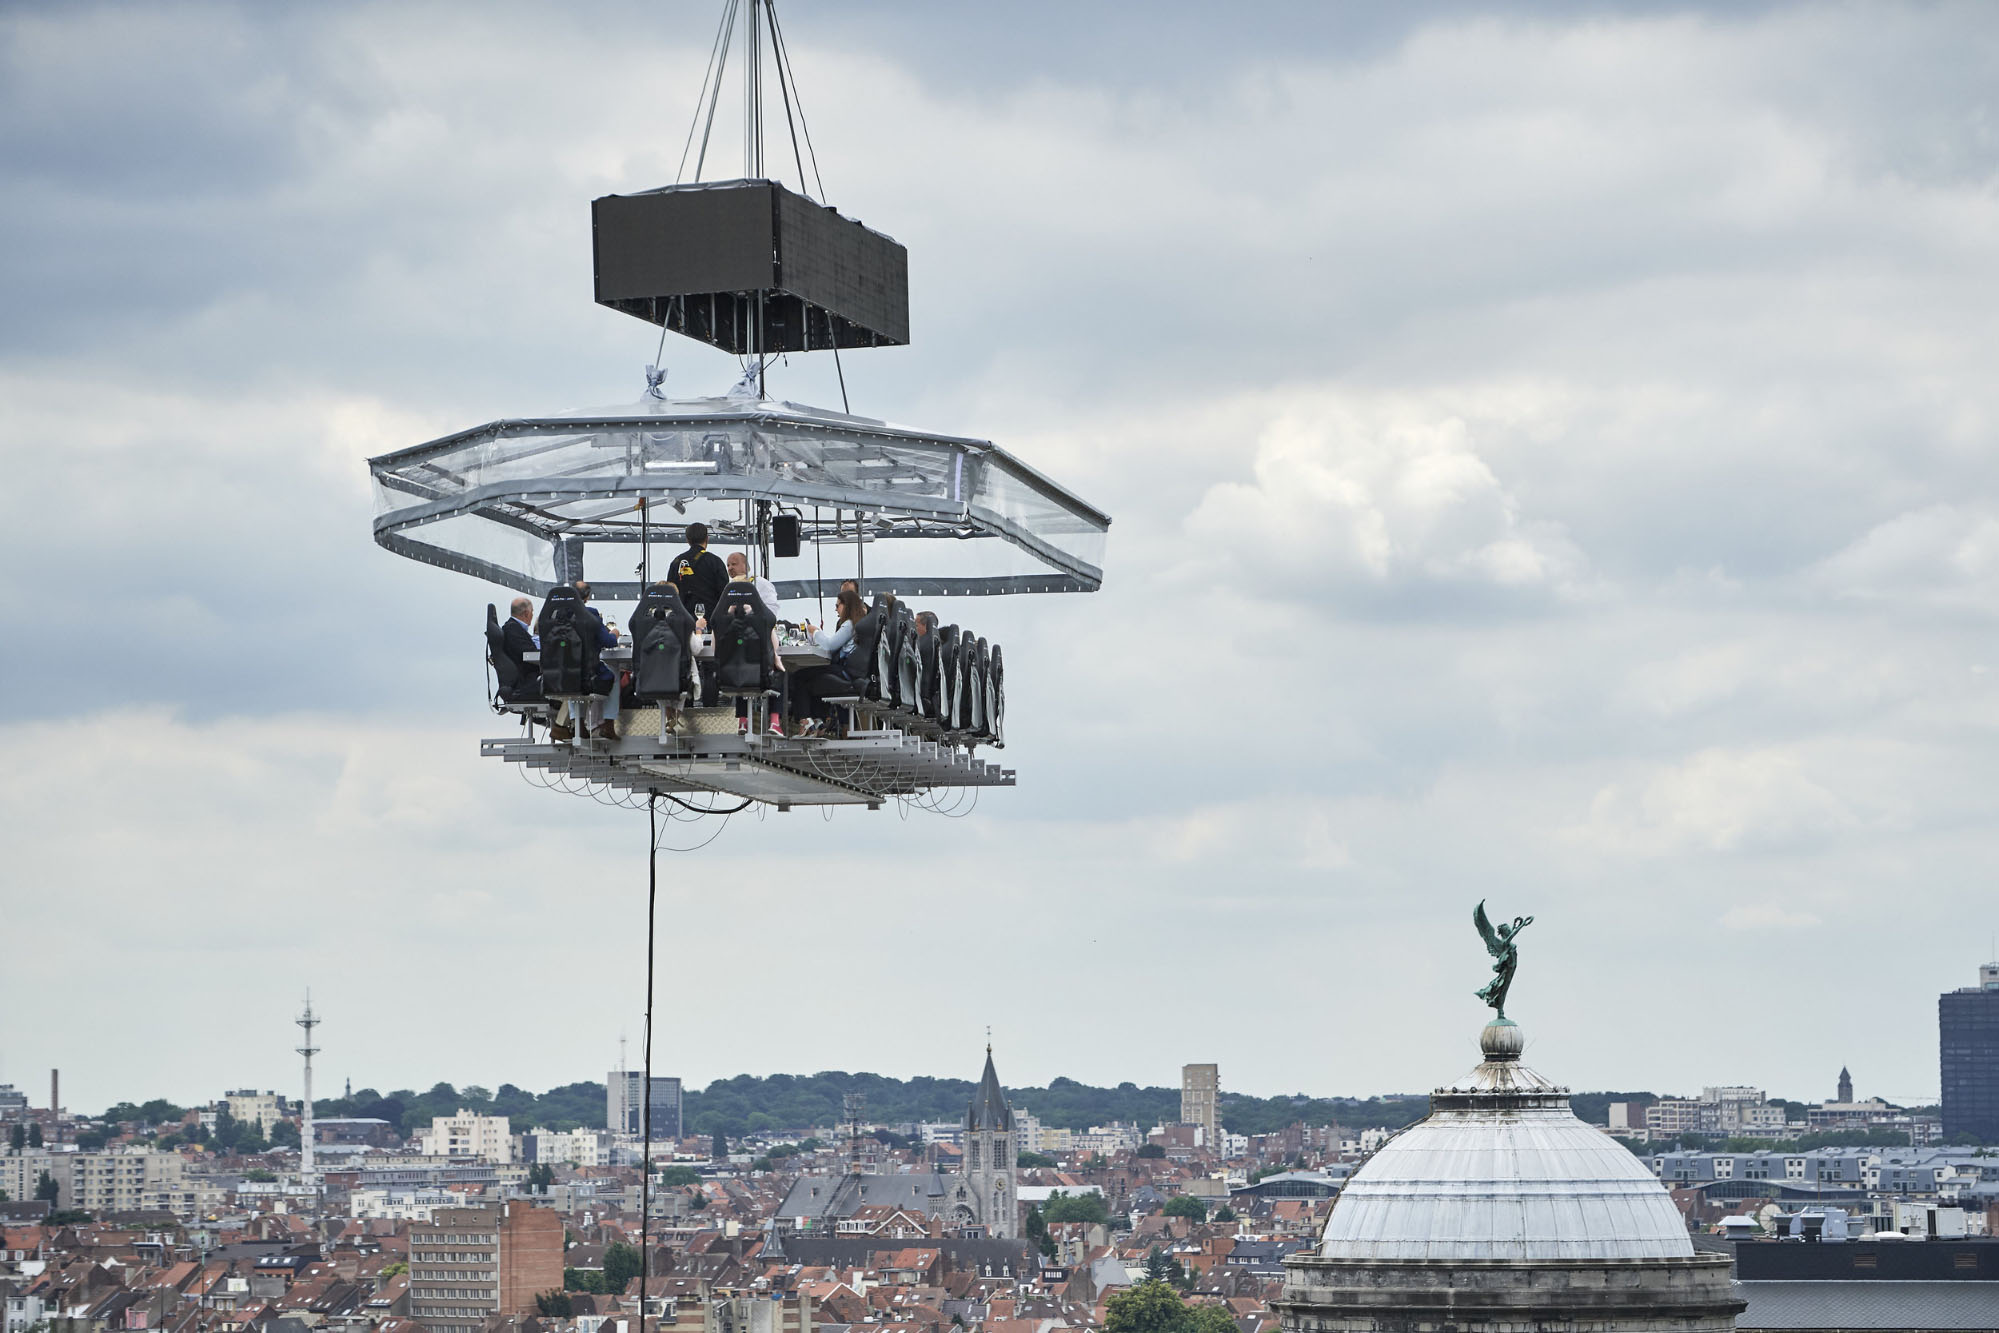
<point x="1374" y="504"/>
<point x="1723" y="801"/>
<point x="1765" y="916"/>
<point x="1943" y="554"/>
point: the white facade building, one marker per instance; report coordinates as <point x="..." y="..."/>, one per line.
<point x="486" y="1137"/>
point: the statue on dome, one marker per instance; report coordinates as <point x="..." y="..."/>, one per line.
<point x="1505" y="955"/>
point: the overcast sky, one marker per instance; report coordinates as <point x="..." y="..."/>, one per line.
<point x="1551" y="451"/>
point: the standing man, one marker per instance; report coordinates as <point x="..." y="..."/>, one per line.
<point x="698" y="574"/>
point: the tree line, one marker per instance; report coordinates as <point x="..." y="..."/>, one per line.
<point x="751" y="1104"/>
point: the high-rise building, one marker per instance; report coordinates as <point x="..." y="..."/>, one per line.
<point x="1200" y="1090"/>
<point x="623" y="1108"/>
<point x="1968" y="1051"/>
<point x="469" y="1264"/>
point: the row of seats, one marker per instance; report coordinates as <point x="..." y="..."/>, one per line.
<point x="948" y="676"/>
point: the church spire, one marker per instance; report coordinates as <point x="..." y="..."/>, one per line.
<point x="989" y="1109"/>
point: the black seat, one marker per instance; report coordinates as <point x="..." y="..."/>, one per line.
<point x="862" y="665"/>
<point x="981" y="720"/>
<point x="662" y="646"/>
<point x="948" y="678"/>
<point x="908" y="660"/>
<point x="568" y="655"/>
<point x="926" y="680"/>
<point x="742" y="642"/>
<point x="996" y="698"/>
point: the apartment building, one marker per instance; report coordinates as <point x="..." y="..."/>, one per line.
<point x="250" y="1107"/>
<point x="469" y="1264"/>
<point x="485" y="1137"/>
<point x="131" y="1181"/>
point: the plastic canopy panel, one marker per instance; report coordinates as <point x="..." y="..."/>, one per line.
<point x="519" y="502"/>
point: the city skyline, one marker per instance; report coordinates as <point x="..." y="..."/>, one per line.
<point x="1566" y="439"/>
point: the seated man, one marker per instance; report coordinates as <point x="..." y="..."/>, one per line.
<point x="517" y="639"/>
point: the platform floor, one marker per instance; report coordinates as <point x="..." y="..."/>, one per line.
<point x="864" y="768"/>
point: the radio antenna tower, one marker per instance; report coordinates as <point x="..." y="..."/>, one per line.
<point x="307" y="1020"/>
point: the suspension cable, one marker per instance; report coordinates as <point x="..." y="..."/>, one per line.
<point x="715" y="91"/>
<point x="711" y="72"/>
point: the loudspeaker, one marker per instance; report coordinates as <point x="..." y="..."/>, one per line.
<point x="784" y="534"/>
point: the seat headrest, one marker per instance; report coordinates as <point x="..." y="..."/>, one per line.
<point x="492" y="616"/>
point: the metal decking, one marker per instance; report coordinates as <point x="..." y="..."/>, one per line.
<point x="863" y="768"/>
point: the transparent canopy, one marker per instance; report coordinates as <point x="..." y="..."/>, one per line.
<point x="606" y="492"/>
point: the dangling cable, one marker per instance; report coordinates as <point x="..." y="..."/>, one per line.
<point x="714" y="72"/>
<point x="645" y="1180"/>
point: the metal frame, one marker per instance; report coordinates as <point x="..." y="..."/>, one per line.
<point x="881" y="482"/>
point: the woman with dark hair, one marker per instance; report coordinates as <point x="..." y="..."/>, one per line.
<point x="838" y="678"/>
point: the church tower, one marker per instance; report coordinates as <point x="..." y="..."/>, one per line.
<point x="1845" y="1086"/>
<point x="992" y="1153"/>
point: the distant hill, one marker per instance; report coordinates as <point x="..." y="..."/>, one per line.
<point x="749" y="1104"/>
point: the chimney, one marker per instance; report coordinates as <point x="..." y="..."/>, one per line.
<point x="55" y="1098"/>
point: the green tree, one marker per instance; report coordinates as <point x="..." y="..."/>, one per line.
<point x="621" y="1265"/>
<point x="17" y="1137"/>
<point x="1150" y="1150"/>
<point x="46" y="1187"/>
<point x="763" y="1164"/>
<point x="260" y="1175"/>
<point x="677" y="1177"/>
<point x="168" y="1141"/>
<point x="284" y="1134"/>
<point x="1034" y="1159"/>
<point x="1225" y="1214"/>
<point x="553" y="1305"/>
<point x="90" y="1140"/>
<point x="1187" y="1206"/>
<point x="35" y="1135"/>
<point x="720" y="1149"/>
<point x="1037" y="1231"/>
<point x="1145" y="1307"/>
<point x="1075" y="1208"/>
<point x="584" y="1279"/>
<point x="1152" y="1306"/>
<point x="1210" y="1319"/>
<point x="540" y="1176"/>
<point x="67" y="1217"/>
<point x="1155" y="1265"/>
<point x="396" y="1269"/>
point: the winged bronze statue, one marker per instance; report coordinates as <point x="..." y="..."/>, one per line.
<point x="1506" y="957"/>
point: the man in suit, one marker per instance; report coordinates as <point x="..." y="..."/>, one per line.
<point x="517" y="635"/>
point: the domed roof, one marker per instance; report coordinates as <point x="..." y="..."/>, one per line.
<point x="1502" y="1169"/>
